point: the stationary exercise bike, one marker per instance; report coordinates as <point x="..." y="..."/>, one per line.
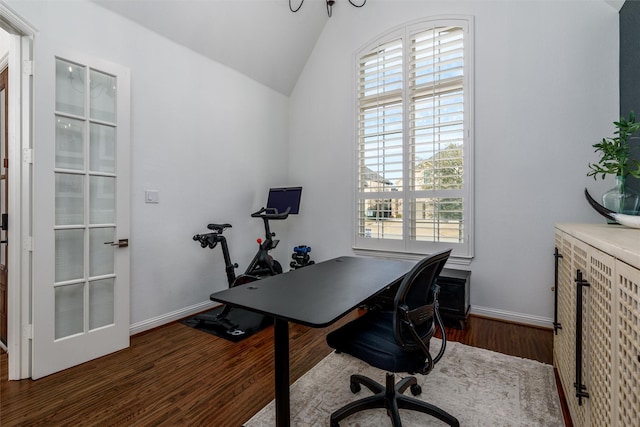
<point x="261" y="265"/>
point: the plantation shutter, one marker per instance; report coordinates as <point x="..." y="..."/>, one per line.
<point x="436" y="96"/>
<point x="380" y="126"/>
<point x="413" y="189"/>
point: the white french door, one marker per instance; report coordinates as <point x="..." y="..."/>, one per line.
<point x="81" y="306"/>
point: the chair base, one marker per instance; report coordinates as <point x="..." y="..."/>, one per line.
<point x="391" y="398"/>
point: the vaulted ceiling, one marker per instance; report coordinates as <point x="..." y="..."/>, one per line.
<point x="262" y="39"/>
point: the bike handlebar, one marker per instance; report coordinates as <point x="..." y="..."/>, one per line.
<point x="209" y="239"/>
<point x="271" y="213"/>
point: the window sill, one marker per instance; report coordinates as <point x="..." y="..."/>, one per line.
<point x="453" y="260"/>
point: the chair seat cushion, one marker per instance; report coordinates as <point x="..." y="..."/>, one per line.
<point x="371" y="338"/>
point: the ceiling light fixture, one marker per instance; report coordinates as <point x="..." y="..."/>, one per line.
<point x="330" y="4"/>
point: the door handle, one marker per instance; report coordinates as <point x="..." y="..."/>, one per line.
<point x="121" y="243"/>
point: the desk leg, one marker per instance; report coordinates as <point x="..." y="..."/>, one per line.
<point x="281" y="350"/>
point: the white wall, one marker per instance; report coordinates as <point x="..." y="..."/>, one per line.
<point x="209" y="139"/>
<point x="546" y="89"/>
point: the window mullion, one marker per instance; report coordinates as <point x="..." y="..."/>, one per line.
<point x="407" y="205"/>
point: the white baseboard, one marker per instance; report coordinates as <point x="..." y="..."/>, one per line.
<point x="511" y="316"/>
<point x="493" y="313"/>
<point x="154" y="322"/>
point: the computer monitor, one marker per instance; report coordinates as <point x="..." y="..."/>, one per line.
<point x="283" y="198"/>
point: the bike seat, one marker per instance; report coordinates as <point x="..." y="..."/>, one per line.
<point x="218" y="227"/>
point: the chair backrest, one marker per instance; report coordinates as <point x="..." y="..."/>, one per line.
<point x="414" y="300"/>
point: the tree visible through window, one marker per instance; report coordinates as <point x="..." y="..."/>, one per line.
<point x="414" y="141"/>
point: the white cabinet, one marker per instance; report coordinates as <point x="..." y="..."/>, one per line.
<point x="597" y="337"/>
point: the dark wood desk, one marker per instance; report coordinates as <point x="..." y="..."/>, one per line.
<point x="316" y="296"/>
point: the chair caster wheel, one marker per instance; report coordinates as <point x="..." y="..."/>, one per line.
<point x="355" y="388"/>
<point x="416" y="389"/>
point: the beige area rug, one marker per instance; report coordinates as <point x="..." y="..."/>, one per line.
<point x="479" y="387"/>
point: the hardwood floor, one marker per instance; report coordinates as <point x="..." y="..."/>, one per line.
<point x="175" y="375"/>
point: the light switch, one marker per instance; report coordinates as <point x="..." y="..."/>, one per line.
<point x="151" y="196"/>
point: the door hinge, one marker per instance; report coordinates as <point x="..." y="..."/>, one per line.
<point x="27" y="332"/>
<point x="27" y="244"/>
<point x="27" y="67"/>
<point x="27" y="155"/>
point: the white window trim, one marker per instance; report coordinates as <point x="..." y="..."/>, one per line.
<point x="462" y="253"/>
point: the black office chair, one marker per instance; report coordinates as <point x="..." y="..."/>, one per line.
<point x="397" y="341"/>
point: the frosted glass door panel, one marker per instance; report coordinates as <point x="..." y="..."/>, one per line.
<point x="69" y="199"/>
<point x="69" y="255"/>
<point x="69" y="311"/>
<point x="101" y="254"/>
<point x="103" y="148"/>
<point x="101" y="303"/>
<point x="103" y="97"/>
<point x="70" y="88"/>
<point x="69" y="143"/>
<point x="102" y="200"/>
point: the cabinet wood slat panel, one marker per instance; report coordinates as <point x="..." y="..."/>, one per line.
<point x="628" y="372"/>
<point x="599" y="333"/>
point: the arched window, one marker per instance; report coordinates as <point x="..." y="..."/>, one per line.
<point x="414" y="189"/>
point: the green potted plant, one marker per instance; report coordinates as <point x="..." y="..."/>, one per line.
<point x="616" y="160"/>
